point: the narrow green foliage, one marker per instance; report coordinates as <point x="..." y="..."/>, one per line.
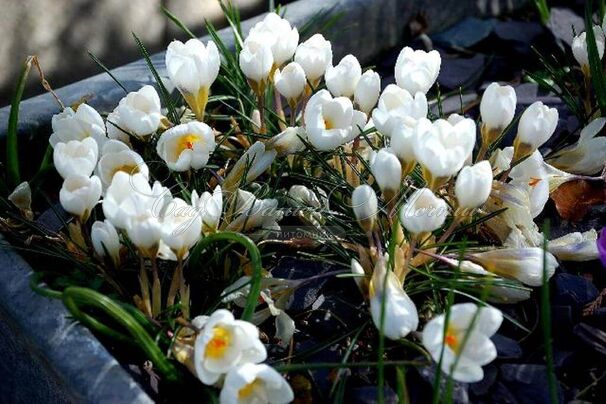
<point x="595" y="64"/>
<point x="543" y="10"/>
<point x="106" y="70"/>
<point x="163" y="93"/>
<point x="12" y="146"/>
<point x="177" y="21"/>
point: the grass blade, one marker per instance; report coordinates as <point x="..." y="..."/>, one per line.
<point x="164" y="94"/>
<point x="106" y="70"/>
<point x="595" y="64"/>
<point x="177" y="21"/>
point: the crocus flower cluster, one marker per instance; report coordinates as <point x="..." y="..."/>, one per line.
<point x="411" y="182"/>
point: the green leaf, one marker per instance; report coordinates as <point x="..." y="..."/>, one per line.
<point x="106" y="70"/>
<point x="177" y="21"/>
<point x="595" y="64"/>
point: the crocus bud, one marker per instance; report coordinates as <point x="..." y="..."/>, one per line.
<point x="300" y="195"/>
<point x="193" y="68"/>
<point x="580" y="52"/>
<point x="367" y="91"/>
<point x="575" y="246"/>
<point x="360" y="279"/>
<point x="278" y="34"/>
<point x="256" y="62"/>
<point x="76" y="157"/>
<point x="400" y="315"/>
<point x="442" y="148"/>
<point x="225" y="343"/>
<point x="523" y="264"/>
<point x="290" y="82"/>
<point x="79" y="195"/>
<point x="343" y="78"/>
<point x="473" y="185"/>
<point x="106" y="241"/>
<point x="417" y="70"/>
<point x="536" y="126"/>
<point x="181" y="227"/>
<point x="210" y="208"/>
<point x="84" y="122"/>
<point x="463" y="345"/>
<point x="365" y="206"/>
<point x="586" y="156"/>
<point x="387" y="171"/>
<point x="423" y="212"/>
<point x="398" y="107"/>
<point x="140" y="112"/>
<point x="402" y="146"/>
<point x="186" y="146"/>
<point x="21" y="197"/>
<point x="314" y="56"/>
<point x="497" y="108"/>
<point x="250" y="383"/>
<point x="256" y="159"/>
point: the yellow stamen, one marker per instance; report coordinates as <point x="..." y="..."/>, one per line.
<point x="130" y="169"/>
<point x="452" y="340"/>
<point x="328" y="124"/>
<point x="187" y="142"/>
<point x="219" y="343"/>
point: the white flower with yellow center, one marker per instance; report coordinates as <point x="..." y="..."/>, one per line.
<point x="186" y="146"/>
<point x="84" y="122"/>
<point x="464" y="343"/>
<point x="224" y="343"/>
<point x="76" y="157"/>
<point x="117" y="156"/>
<point x="332" y="122"/>
<point x="277" y="33"/>
<point x="255" y="384"/>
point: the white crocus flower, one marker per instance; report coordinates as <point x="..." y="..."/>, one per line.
<point x="342" y="79"/>
<point x="79" y="195"/>
<point x="223" y="344"/>
<point x="256" y="160"/>
<point x="402" y="146"/>
<point x="277" y="33"/>
<point x="575" y="246"/>
<point x="365" y="206"/>
<point x="140" y="112"/>
<point x="290" y="82"/>
<point x="301" y="195"/>
<point x="417" y="70"/>
<point x="210" y="208"/>
<point x="181" y="227"/>
<point x="587" y="155"/>
<point x="256" y="62"/>
<point x="537" y="124"/>
<point x="497" y="108"/>
<point x="400" y="316"/>
<point x="579" y="48"/>
<point x="129" y="194"/>
<point x="523" y="264"/>
<point x="532" y="176"/>
<point x="253" y="212"/>
<point x="117" y="156"/>
<point x="106" y="241"/>
<point x="331" y="122"/>
<point x="255" y="384"/>
<point x="289" y="141"/>
<point x="398" y="107"/>
<point x="314" y="56"/>
<point x="473" y="185"/>
<point x="367" y="91"/>
<point x="442" y="148"/>
<point x="186" y="146"/>
<point x="114" y="128"/>
<point x="193" y="68"/>
<point x="464" y="343"/>
<point x="77" y="125"/>
<point x="76" y="157"/>
<point x="387" y="171"/>
<point x="423" y="212"/>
